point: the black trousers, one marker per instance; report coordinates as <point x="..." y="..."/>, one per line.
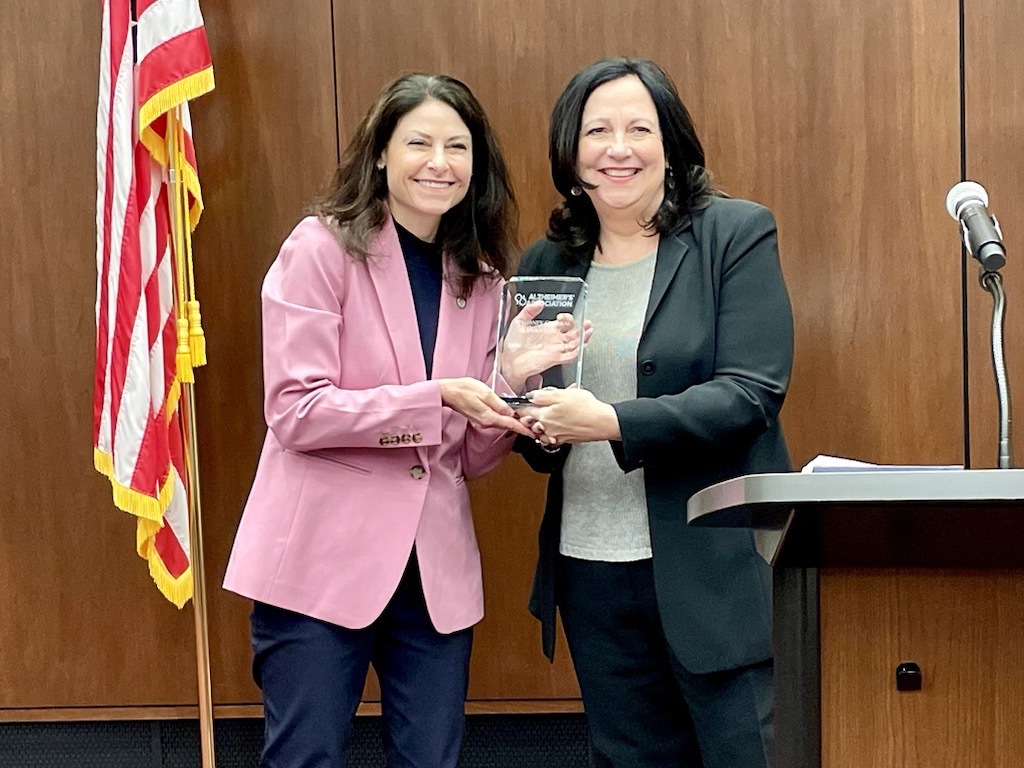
<point x="644" y="710"/>
<point x="312" y="675"/>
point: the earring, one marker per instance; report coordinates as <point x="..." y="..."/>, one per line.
<point x="670" y="180"/>
<point x="576" y="190"/>
<point x="380" y="165"/>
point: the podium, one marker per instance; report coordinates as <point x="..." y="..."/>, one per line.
<point x="875" y="571"/>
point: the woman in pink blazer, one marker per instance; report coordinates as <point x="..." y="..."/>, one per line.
<point x="357" y="542"/>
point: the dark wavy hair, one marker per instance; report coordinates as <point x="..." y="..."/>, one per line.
<point x="574" y="221"/>
<point x="480" y="230"/>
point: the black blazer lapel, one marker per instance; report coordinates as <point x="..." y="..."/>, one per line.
<point x="672" y="249"/>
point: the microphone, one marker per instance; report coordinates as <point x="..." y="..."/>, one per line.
<point x="967" y="202"/>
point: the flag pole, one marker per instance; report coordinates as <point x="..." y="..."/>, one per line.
<point x="198" y="580"/>
<point x="181" y="231"/>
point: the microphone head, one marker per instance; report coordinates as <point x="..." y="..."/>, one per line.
<point x="963" y="193"/>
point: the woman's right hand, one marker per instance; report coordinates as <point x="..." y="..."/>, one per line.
<point x="530" y="349"/>
<point x="480" y="405"/>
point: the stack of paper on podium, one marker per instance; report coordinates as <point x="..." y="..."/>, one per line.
<point x="823" y="463"/>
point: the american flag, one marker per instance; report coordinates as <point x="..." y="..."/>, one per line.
<point x="154" y="58"/>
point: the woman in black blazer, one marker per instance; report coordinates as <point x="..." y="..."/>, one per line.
<point x="669" y="626"/>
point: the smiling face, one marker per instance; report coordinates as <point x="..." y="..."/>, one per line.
<point x="429" y="162"/>
<point x="621" y="152"/>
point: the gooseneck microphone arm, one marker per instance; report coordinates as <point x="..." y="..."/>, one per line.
<point x="993" y="283"/>
<point x="967" y="202"/>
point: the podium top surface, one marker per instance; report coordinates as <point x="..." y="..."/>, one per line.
<point x="764" y="501"/>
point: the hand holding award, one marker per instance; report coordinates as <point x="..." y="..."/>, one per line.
<point x="541" y="335"/>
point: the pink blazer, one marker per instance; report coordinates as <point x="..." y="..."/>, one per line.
<point x="361" y="460"/>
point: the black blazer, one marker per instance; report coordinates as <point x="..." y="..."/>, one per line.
<point x="713" y="365"/>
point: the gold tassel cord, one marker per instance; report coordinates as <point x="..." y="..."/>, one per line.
<point x="183" y="352"/>
<point x="196" y="336"/>
<point x="183" y="355"/>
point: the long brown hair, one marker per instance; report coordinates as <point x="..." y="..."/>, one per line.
<point x="480" y="230"/>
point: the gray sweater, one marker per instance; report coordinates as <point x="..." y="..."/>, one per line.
<point x="604" y="510"/>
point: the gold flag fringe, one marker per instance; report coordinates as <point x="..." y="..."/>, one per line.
<point x="103" y="462"/>
<point x="135" y="502"/>
<point x="166" y="100"/>
<point x="173" y="397"/>
<point x="157" y="147"/>
<point x="150" y="511"/>
<point x="177" y="590"/>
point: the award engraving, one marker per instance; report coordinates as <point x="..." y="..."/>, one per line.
<point x="540" y="336"/>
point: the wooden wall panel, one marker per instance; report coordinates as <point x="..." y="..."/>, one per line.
<point x="266" y="142"/>
<point x="82" y="623"/>
<point x="843" y="119"/>
<point x="994" y="95"/>
<point x="962" y="628"/>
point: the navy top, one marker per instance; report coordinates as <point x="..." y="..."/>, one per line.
<point x="423" y="263"/>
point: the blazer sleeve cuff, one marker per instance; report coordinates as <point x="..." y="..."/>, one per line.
<point x="626" y="451"/>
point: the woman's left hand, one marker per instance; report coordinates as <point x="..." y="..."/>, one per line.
<point x="559" y="416"/>
<point x="484" y="409"/>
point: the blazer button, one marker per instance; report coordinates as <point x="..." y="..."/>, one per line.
<point x="647" y="367"/>
<point x="417" y="472"/>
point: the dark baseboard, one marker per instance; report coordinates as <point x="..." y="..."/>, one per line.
<point x="492" y="741"/>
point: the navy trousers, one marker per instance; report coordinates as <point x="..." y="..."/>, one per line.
<point x="312" y="675"/>
<point x="644" y="710"/>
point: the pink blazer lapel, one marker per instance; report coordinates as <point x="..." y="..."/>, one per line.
<point x="386" y="266"/>
<point x="455" y="323"/>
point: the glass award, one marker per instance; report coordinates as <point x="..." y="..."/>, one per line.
<point x="540" y="336"/>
